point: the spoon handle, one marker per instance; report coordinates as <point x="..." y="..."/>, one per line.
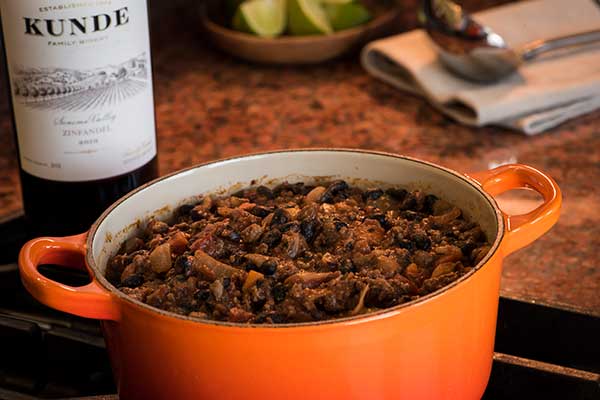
<point x="535" y="48"/>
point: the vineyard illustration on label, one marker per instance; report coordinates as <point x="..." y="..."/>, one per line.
<point x="77" y="90"/>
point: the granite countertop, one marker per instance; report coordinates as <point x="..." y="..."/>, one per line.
<point x="211" y="106"/>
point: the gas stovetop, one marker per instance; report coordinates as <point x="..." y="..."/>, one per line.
<point x="542" y="352"/>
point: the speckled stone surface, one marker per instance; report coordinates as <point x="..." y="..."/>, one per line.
<point x="210" y="105"/>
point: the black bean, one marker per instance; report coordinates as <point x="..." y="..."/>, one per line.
<point x="265" y="192"/>
<point x="450" y="233"/>
<point x="385" y="224"/>
<point x="133" y="281"/>
<point x="405" y="244"/>
<point x="430" y="200"/>
<point x="251" y="267"/>
<point x="183" y="264"/>
<point x="261" y="283"/>
<point x="298" y="188"/>
<point x="409" y="203"/>
<point x="258" y="304"/>
<point x="422" y="242"/>
<point x="411" y="215"/>
<point x="339" y="224"/>
<point x="396" y="194"/>
<point x="234" y="236"/>
<point x="260" y="211"/>
<point x="272" y="238"/>
<point x="278" y="318"/>
<point x="279" y="217"/>
<point x="237" y="259"/>
<point x="309" y="229"/>
<point x="277" y="190"/>
<point x="185" y="210"/>
<point x="279" y="292"/>
<point x="466" y="247"/>
<point x="435" y="225"/>
<point x="269" y="267"/>
<point x="336" y="187"/>
<point x="306" y="189"/>
<point x="202" y="295"/>
<point x="372" y="194"/>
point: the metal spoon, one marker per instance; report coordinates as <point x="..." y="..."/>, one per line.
<point x="477" y="53"/>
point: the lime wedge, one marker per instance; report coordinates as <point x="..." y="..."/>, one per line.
<point x="348" y="15"/>
<point x="265" y="18"/>
<point x="307" y="17"/>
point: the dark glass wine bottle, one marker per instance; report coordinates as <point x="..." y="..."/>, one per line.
<point x="81" y="93"/>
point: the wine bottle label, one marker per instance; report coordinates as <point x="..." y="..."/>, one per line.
<point x="81" y="83"/>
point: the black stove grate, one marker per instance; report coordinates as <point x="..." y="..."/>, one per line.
<point x="544" y="352"/>
<point x="541" y="352"/>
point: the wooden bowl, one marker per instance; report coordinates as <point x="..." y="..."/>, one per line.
<point x="285" y="49"/>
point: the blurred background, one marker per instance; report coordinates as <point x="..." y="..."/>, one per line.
<point x="211" y="105"/>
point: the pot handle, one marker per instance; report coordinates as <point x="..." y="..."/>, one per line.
<point x="522" y="230"/>
<point x="90" y="301"/>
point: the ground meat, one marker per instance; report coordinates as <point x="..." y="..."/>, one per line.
<point x="298" y="253"/>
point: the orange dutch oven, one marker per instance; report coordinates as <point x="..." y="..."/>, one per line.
<point x="437" y="347"/>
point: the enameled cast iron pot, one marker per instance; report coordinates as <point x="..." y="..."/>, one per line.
<point x="437" y="347"/>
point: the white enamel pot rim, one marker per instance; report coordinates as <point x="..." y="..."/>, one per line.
<point x="96" y="231"/>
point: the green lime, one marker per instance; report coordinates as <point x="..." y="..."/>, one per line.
<point x="265" y="18"/>
<point x="348" y="15"/>
<point x="307" y="17"/>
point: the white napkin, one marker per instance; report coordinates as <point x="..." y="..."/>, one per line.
<point x="544" y="92"/>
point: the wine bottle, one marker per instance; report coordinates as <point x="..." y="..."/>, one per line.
<point x="81" y="94"/>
